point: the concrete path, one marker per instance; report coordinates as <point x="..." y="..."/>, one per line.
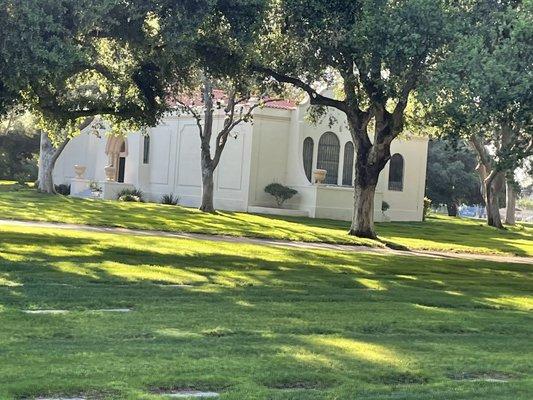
<point x="270" y="242"/>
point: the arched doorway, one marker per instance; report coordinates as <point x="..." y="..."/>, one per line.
<point x="117" y="151"/>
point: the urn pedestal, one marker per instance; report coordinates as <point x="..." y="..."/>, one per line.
<point x="319" y="176"/>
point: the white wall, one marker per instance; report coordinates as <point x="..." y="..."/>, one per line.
<point x="269" y="153"/>
<point x="408" y="204"/>
<point x="174" y="163"/>
<point x="269" y="150"/>
<point x="86" y="149"/>
<point x="231" y="176"/>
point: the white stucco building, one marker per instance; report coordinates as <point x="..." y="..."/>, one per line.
<point x="279" y="146"/>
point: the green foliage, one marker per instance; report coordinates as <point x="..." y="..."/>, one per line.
<point x="374" y="46"/>
<point x="451" y="176"/>
<point x="19" y="146"/>
<point x="525" y="203"/>
<point x="131" y="195"/>
<point x="62" y="189"/>
<point x="95" y="187"/>
<point x="125" y="62"/>
<point x="483" y="86"/>
<point x="377" y="52"/>
<point x="170" y="199"/>
<point x="71" y="60"/>
<point x="21" y="178"/>
<point x="280" y="192"/>
<point x="384" y="206"/>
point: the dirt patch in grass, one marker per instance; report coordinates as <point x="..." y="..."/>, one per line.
<point x="86" y="395"/>
<point x="299" y="384"/>
<point x="376" y="328"/>
<point x="399" y="378"/>
<point x="452" y="329"/>
<point x="308" y="330"/>
<point x="486" y="376"/>
<point x="218" y="332"/>
<point x="185" y="392"/>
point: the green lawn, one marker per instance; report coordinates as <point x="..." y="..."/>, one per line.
<point x="260" y="323"/>
<point x="440" y="233"/>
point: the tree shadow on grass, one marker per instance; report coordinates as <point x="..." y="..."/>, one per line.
<point x="283" y="319"/>
<point x="440" y="233"/>
<point x="318" y="273"/>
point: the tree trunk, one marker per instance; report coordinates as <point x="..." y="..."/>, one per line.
<point x="48" y="156"/>
<point x="482" y="174"/>
<point x="363" y="216"/>
<point x="493" y="185"/>
<point x="207" y="185"/>
<point x="452" y="209"/>
<point x="510" y="209"/>
<point x="365" y="182"/>
<point x="491" y="182"/>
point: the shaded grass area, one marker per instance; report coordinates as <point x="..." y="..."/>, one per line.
<point x="256" y="322"/>
<point x="438" y="233"/>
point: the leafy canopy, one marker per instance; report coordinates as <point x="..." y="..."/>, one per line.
<point x="119" y="60"/>
<point x="380" y="49"/>
<point x="485" y="86"/>
<point x="451" y="176"/>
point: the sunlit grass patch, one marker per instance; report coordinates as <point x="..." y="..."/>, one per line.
<point x="438" y="233"/>
<point x="371" y="284"/>
<point x="359" y="349"/>
<point x="524" y="303"/>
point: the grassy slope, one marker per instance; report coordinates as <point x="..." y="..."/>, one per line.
<point x="266" y="323"/>
<point x="436" y="234"/>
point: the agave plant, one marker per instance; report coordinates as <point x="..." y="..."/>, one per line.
<point x="170" y="199"/>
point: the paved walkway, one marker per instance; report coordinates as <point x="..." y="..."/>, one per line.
<point x="270" y="242"/>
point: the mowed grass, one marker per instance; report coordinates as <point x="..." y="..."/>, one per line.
<point x="438" y="233"/>
<point x="256" y="322"/>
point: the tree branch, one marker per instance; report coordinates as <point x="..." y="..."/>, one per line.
<point x="222" y="136"/>
<point x="481" y="151"/>
<point x="315" y="97"/>
<point x="195" y="115"/>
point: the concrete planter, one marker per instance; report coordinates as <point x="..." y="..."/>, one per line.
<point x="80" y="171"/>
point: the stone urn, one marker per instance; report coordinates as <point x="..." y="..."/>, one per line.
<point x="319" y="175"/>
<point x="110" y="172"/>
<point x="79" y="170"/>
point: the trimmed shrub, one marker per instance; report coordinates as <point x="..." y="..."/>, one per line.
<point x="280" y="192"/>
<point x="21" y="178"/>
<point x="384" y="206"/>
<point x="134" y="195"/>
<point x="62" y="189"/>
<point x="427" y="205"/>
<point x="170" y="199"/>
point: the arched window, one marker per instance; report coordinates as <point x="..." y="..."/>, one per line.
<point x="328" y="156"/>
<point x="396" y="172"/>
<point x="308" y="157"/>
<point x="347" y="169"/>
<point x="146" y="149"/>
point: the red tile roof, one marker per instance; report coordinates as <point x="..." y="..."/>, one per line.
<point x="220" y="95"/>
<point x="281" y="104"/>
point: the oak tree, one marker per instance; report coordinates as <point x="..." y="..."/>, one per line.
<point x="378" y="50"/>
